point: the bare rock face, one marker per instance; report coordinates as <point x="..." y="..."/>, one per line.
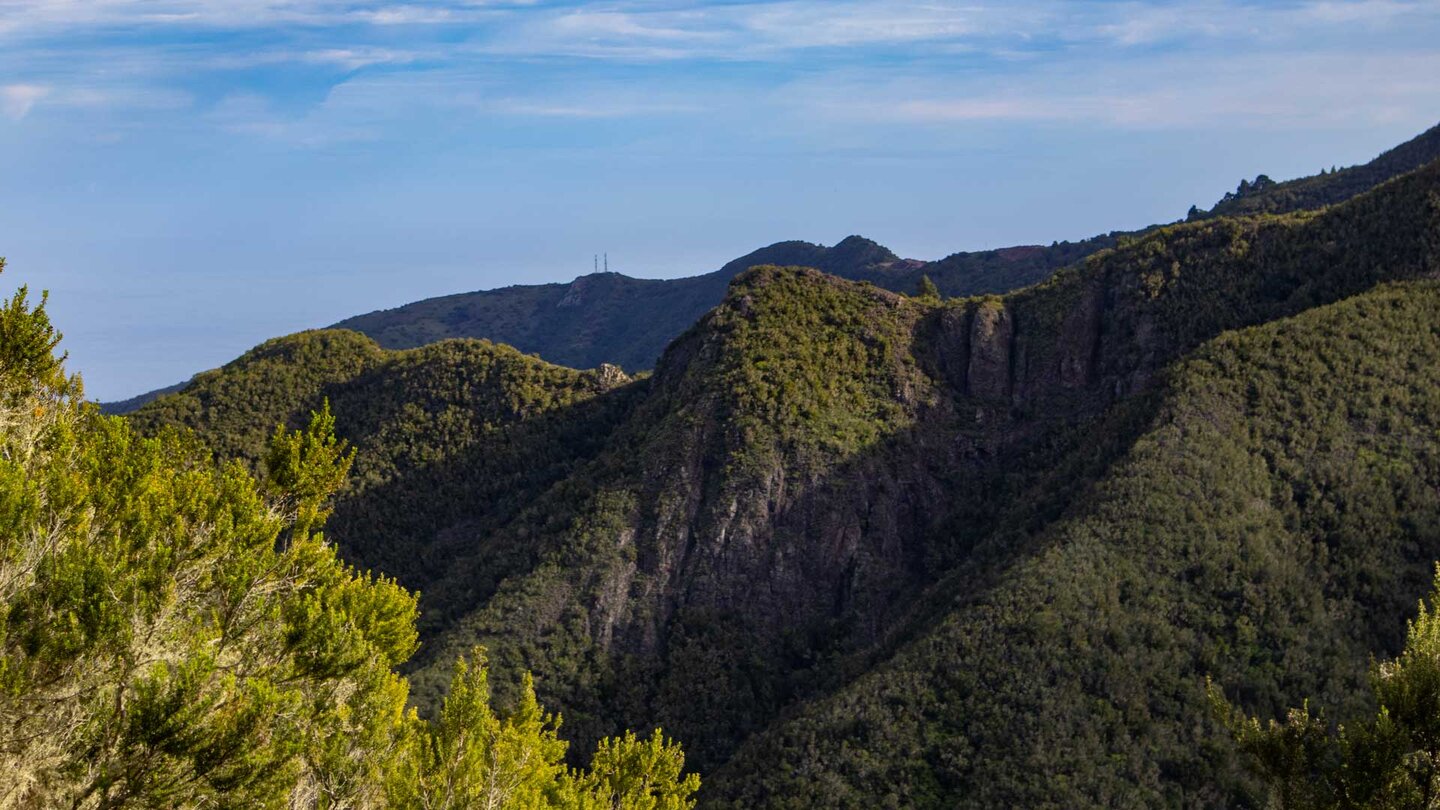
<point x="952" y="346"/>
<point x="1080" y="339"/>
<point x="992" y="332"/>
<point x="611" y="376"/>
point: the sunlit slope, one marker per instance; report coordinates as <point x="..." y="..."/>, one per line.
<point x="823" y="478"/>
<point x="1277" y="518"/>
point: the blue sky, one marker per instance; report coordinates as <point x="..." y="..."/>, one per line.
<point x="189" y="177"/>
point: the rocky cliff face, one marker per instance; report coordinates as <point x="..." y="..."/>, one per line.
<point x="992" y="338"/>
<point x="820" y="470"/>
<point x="815" y="454"/>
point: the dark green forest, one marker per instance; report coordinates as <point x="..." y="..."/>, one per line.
<point x="176" y="631"/>
<point x="1148" y="532"/>
<point x="858" y="548"/>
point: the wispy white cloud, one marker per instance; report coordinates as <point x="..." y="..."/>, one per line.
<point x="591" y="108"/>
<point x="1127" y="63"/>
<point x="805" y="24"/>
<point x="1254" y="91"/>
<point x="784" y="29"/>
<point x="52" y="16"/>
<point x="1364" y="11"/>
<point x="400" y="15"/>
<point x="761" y="29"/>
<point x="356" y="58"/>
<point x="119" y="97"/>
<point x="1142" y="24"/>
<point x="16" y="100"/>
<point x="623" y="25"/>
<point x="374" y="107"/>
<point x="346" y="58"/>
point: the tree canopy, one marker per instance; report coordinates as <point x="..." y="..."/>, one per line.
<point x="1388" y="760"/>
<point x="176" y="632"/>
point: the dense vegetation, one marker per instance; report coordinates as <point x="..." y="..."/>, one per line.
<point x="178" y="633"/>
<point x="615" y="319"/>
<point x="1390" y="759"/>
<point x="611" y="318"/>
<point x="439" y="429"/>
<point x="854" y="548"/>
<point x="1265" y="196"/>
<point x="1276" y="517"/>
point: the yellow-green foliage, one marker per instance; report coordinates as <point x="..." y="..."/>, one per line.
<point x="1278" y="511"/>
<point x="811" y="362"/>
<point x="1388" y="761"/>
<point x="470" y="757"/>
<point x="159" y="643"/>
<point x="177" y="633"/>
<point x="633" y="774"/>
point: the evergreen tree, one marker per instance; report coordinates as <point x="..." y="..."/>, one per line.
<point x="927" y="289"/>
<point x="633" y="774"/>
<point x="158" y="645"/>
<point x="1391" y="760"/>
<point x="177" y="633"/>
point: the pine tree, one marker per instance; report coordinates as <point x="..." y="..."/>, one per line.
<point x="1391" y="760"/>
<point x="176" y="633"/>
<point x="628" y="773"/>
<point x="927" y="290"/>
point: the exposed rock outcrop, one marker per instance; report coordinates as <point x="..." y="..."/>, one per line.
<point x="1080" y="339"/>
<point x="992" y="333"/>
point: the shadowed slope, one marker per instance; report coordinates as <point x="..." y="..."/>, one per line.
<point x="1279" y="515"/>
<point x="815" y="453"/>
<point x="822" y="473"/>
<point x="451" y="436"/>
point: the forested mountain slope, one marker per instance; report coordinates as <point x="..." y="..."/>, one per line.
<point x="176" y="631"/>
<point x="1269" y="528"/>
<point x="604" y="317"/>
<point x="612" y="318"/>
<point x="1265" y="196"/>
<point x="616" y="319"/>
<point x="981" y="548"/>
<point x="438" y="430"/>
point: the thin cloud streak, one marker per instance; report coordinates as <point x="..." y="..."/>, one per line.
<point x="482" y="144"/>
<point x="1265" y="91"/>
<point x="61" y="16"/>
<point x="16" y="100"/>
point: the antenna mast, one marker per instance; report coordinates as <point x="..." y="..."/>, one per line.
<point x="607" y="262"/>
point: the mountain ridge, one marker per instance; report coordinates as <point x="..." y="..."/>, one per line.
<point x="822" y="476"/>
<point x="616" y="319"/>
<point x="856" y="258"/>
